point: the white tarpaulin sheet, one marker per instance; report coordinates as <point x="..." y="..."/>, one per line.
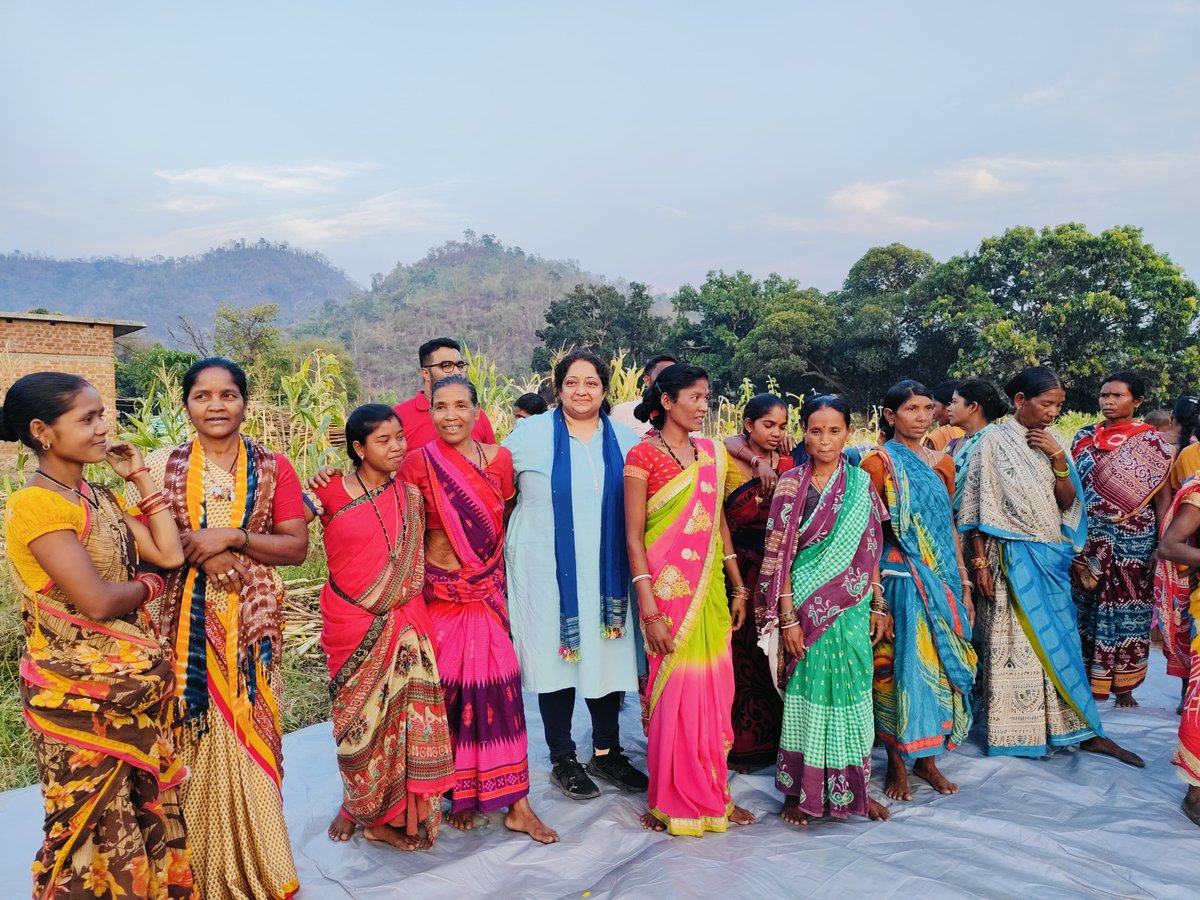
<point x="1075" y="824"/>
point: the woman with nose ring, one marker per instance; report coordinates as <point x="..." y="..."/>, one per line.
<point x="389" y="715"/>
<point x="681" y="557"/>
<point x="924" y="674"/>
<point x="466" y="486"/>
<point x="1024" y="521"/>
<point x="240" y="512"/>
<point x="757" y="708"/>
<point x="1123" y="467"/>
<point x="569" y="594"/>
<point x="821" y="608"/>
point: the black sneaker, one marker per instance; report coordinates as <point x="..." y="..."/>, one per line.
<point x="570" y="778"/>
<point x="615" y="768"/>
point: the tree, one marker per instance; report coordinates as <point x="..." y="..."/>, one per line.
<point x="137" y="365"/>
<point x="346" y="379"/>
<point x="248" y="335"/>
<point x="1085" y="304"/>
<point x="600" y="318"/>
<point x="869" y="355"/>
<point x="711" y="322"/>
<point x="792" y="343"/>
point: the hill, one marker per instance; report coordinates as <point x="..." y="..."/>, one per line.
<point x="479" y="290"/>
<point x="157" y="291"/>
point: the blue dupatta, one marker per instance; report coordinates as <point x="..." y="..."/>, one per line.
<point x="614" y="559"/>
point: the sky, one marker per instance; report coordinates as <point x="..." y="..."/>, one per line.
<point x="649" y="141"/>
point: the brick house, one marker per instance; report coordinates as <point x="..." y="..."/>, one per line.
<point x="32" y="342"/>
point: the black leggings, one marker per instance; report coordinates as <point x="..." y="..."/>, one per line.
<point x="557" y="709"/>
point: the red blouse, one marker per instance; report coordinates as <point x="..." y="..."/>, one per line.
<point x="499" y="472"/>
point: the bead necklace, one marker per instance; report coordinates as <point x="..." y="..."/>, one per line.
<point x="401" y="523"/>
<point x="95" y="504"/>
<point x="662" y="440"/>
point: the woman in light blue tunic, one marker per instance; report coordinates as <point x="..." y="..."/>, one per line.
<point x="568" y="574"/>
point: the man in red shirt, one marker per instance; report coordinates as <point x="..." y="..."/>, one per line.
<point x="439" y="358"/>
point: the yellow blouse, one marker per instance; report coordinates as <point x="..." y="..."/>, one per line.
<point x="1187" y="464"/>
<point x="32" y="512"/>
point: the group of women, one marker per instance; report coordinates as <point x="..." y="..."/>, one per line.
<point x="770" y="607"/>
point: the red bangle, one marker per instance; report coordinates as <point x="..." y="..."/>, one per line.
<point x="131" y="475"/>
<point x="155" y="585"/>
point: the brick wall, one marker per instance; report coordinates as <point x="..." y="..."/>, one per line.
<point x="28" y="346"/>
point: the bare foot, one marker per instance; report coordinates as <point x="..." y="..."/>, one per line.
<point x="390" y="834"/>
<point x="341" y="828"/>
<point x="1111" y="748"/>
<point x="463" y="821"/>
<point x="896" y="786"/>
<point x="1126" y="701"/>
<point x="791" y="812"/>
<point x="927" y="769"/>
<point x="1191" y="804"/>
<point x="651" y="822"/>
<point x="876" y="811"/>
<point x="521" y="817"/>
<point x="741" y="816"/>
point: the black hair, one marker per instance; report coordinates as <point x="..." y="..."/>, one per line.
<point x="361" y="424"/>
<point x="587" y="356"/>
<point x="531" y="403"/>
<point x="426" y="349"/>
<point x="897" y="395"/>
<point x="824" y="401"/>
<point x="944" y="392"/>
<point x="215" y="362"/>
<point x="451" y="380"/>
<point x="42" y="395"/>
<point x="1187" y="415"/>
<point x="1135" y="382"/>
<point x="761" y="404"/>
<point x="984" y="393"/>
<point x="1033" y="382"/>
<point x="671" y="381"/>
<point x="655" y="360"/>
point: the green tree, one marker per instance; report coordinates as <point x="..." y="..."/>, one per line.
<point x="1085" y="304"/>
<point x="248" y="335"/>
<point x="792" y="342"/>
<point x="345" y="378"/>
<point x="600" y="318"/>
<point x="869" y="355"/>
<point x="137" y="365"/>
<point x="712" y="321"/>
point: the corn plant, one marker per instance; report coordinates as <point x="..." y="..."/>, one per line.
<point x="313" y="405"/>
<point x="159" y="419"/>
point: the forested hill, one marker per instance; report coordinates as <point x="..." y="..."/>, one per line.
<point x="478" y="289"/>
<point x="158" y="291"/>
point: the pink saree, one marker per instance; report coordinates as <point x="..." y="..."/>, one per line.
<point x="689" y="693"/>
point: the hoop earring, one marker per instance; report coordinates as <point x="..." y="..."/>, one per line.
<point x="45" y="446"/>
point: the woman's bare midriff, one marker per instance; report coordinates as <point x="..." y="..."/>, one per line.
<point x="438" y="551"/>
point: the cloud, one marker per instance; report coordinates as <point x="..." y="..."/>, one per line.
<point x="983" y="192"/>
<point x="286" y="179"/>
<point x="391" y="212"/>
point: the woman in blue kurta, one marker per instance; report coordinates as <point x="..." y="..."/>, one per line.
<point x="568" y="574"/>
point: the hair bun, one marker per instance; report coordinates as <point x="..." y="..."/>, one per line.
<point x="6" y="431"/>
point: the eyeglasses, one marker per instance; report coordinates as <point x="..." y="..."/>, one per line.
<point x="449" y="367"/>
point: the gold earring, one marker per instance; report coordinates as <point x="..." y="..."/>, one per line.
<point x="45" y="446"/>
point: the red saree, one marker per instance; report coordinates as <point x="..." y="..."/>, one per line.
<point x="389" y="714"/>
